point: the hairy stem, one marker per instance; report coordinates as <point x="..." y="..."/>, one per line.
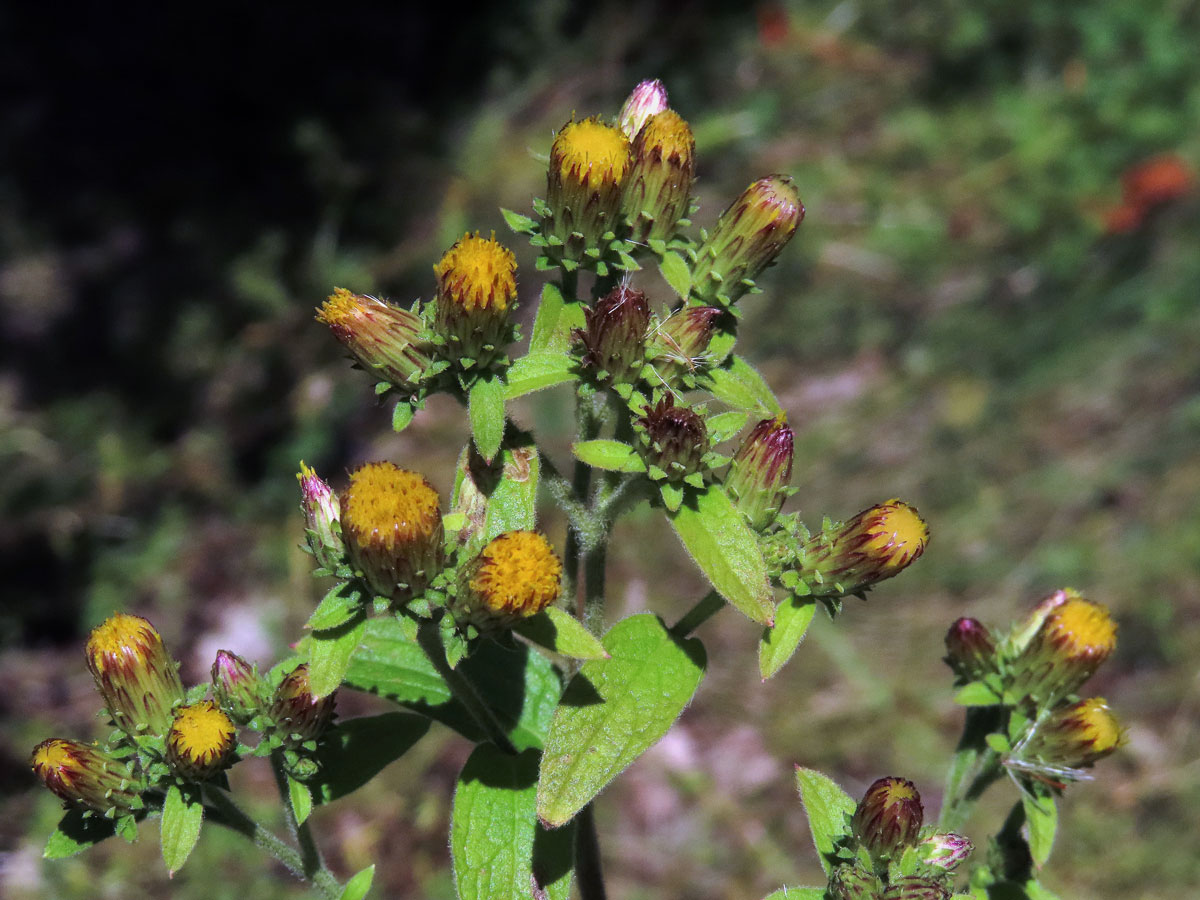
<point x="975" y="768"/>
<point x="706" y="607"/>
<point x="310" y="856"/>
<point x="587" y="857"/>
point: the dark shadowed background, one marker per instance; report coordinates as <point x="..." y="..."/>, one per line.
<point x="991" y="310"/>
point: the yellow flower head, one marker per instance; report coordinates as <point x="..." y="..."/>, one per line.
<point x="201" y="740"/>
<point x="1074" y="637"/>
<point x="590" y="154"/>
<point x="1072" y="736"/>
<point x="893" y="535"/>
<point x="134" y="673"/>
<point x="85" y="774"/>
<point x="477" y="273"/>
<point x="382" y="338"/>
<point x="878" y="543"/>
<point x="392" y="526"/>
<point x="1081" y="629"/>
<point x="516" y="575"/>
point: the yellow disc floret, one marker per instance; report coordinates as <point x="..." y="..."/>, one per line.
<point x="340" y="308"/>
<point x="201" y="740"/>
<point x="895" y="535"/>
<point x="591" y="153"/>
<point x="1099" y="726"/>
<point x="517" y="574"/>
<point x="477" y="273"/>
<point x="1082" y="628"/>
<point x="668" y="136"/>
<point x="387" y="505"/>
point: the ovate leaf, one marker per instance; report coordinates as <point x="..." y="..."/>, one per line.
<point x="339" y="605"/>
<point x="76" y="832"/>
<point x="494" y="832"/>
<point x="181" y="819"/>
<point x="356" y="888"/>
<point x="356" y="750"/>
<point x="827" y="807"/>
<point x="485" y="409"/>
<point x="739" y="385"/>
<point x="536" y="371"/>
<point x="976" y="693"/>
<point x="676" y="273"/>
<point x="557" y="630"/>
<point x="301" y="799"/>
<point x="1041" y="818"/>
<point x="329" y="655"/>
<point x="512" y="504"/>
<point x="556" y="319"/>
<point x="613" y="710"/>
<point x="779" y="642"/>
<point x="725" y="549"/>
<point x="612" y="456"/>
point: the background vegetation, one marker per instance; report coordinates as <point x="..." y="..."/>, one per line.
<point x="991" y="310"/>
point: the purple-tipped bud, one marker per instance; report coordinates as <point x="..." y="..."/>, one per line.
<point x="614" y="339"/>
<point x="382" y="338"/>
<point x="889" y="817"/>
<point x="1073" y="736"/>
<point x="321" y="513"/>
<point x="659" y="185"/>
<point x="876" y="544"/>
<point x="946" y="850"/>
<point x="678" y="346"/>
<point x="970" y="649"/>
<point x="1073" y="637"/>
<point x="237" y="687"/>
<point x="761" y="472"/>
<point x="134" y="673"/>
<point x="647" y="99"/>
<point x="674" y="440"/>
<point x="86" y="775"/>
<point x="300" y="715"/>
<point x="746" y="239"/>
<point x="854" y="883"/>
<point x="913" y="887"/>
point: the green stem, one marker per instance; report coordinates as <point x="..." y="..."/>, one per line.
<point x="706" y="607"/>
<point x="587" y="857"/>
<point x="975" y="768"/>
<point x="430" y="639"/>
<point x="593" y="587"/>
<point x="301" y="832"/>
<point x="231" y="815"/>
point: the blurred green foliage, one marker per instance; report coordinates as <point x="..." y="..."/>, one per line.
<point x="955" y="324"/>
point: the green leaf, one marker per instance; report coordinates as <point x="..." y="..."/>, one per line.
<point x="181" y="820"/>
<point x="519" y="684"/>
<point x="998" y="742"/>
<point x="976" y="693"/>
<point x="497" y="845"/>
<point x="512" y="503"/>
<point x="356" y="888"/>
<point x="556" y="319"/>
<point x="77" y="831"/>
<point x="1036" y="891"/>
<point x="517" y="222"/>
<point x="337" y="607"/>
<point x="827" y="807"/>
<point x="485" y="408"/>
<point x="329" y="655"/>
<point x="301" y="799"/>
<point x="725" y="425"/>
<point x="557" y="630"/>
<point x="612" y="456"/>
<point x="1041" y="818"/>
<point x="779" y="642"/>
<point x="726" y="550"/>
<point x="402" y="415"/>
<point x="536" y="371"/>
<point x="355" y="751"/>
<point x="613" y="710"/>
<point x="797" y="893"/>
<point x="676" y="273"/>
<point x="672" y="495"/>
<point x="740" y="386"/>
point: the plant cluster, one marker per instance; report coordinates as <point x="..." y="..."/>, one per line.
<point x="468" y="615"/>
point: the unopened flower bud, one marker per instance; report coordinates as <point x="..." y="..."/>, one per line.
<point x="134" y="673"/>
<point x="945" y="849"/>
<point x="515" y="576"/>
<point x="675" y="439"/>
<point x="659" y="184"/>
<point x="761" y="472"/>
<point x="854" y="883"/>
<point x="874" y="545"/>
<point x="477" y="288"/>
<point x="889" y="817"/>
<point x="300" y="715"/>
<point x="746" y="239"/>
<point x="970" y="649"/>
<point x="588" y="164"/>
<point x="85" y="774"/>
<point x="614" y="338"/>
<point x="1075" y="637"/>
<point x="237" y="686"/>
<point x="382" y="338"/>
<point x="913" y="887"/>
<point x="321" y="513"/>
<point x="677" y="346"/>
<point x="647" y="99"/>
<point x="1075" y="735"/>
<point x="201" y="741"/>
<point x="393" y="529"/>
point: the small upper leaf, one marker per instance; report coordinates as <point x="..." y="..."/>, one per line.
<point x="557" y="630"/>
<point x="485" y="408"/>
<point x="827" y="807"/>
<point x="181" y="820"/>
<point x="77" y="831"/>
<point x="779" y="642"/>
<point x="612" y="456"/>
